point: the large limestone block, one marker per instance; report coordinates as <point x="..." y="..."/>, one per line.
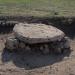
<point x="37" y="33"/>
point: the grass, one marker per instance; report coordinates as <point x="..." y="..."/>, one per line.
<point x="40" y="8"/>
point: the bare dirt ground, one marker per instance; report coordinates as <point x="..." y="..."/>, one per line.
<point x="25" y="63"/>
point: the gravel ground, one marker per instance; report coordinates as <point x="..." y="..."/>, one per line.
<point x="25" y="63"/>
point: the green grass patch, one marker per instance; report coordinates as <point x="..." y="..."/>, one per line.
<point x="40" y="8"/>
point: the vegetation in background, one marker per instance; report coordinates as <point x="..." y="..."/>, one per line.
<point x="40" y="8"/>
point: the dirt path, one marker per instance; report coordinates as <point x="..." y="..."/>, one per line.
<point x="21" y="63"/>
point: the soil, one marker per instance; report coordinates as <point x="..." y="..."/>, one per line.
<point x="26" y="63"/>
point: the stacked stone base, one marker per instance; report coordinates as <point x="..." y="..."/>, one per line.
<point x="61" y="46"/>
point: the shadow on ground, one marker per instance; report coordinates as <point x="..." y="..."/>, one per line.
<point x="30" y="61"/>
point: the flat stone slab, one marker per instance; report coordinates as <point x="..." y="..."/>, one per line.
<point x="37" y="33"/>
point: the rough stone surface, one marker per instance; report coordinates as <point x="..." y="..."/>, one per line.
<point x="11" y="43"/>
<point x="46" y="49"/>
<point x="37" y="33"/>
